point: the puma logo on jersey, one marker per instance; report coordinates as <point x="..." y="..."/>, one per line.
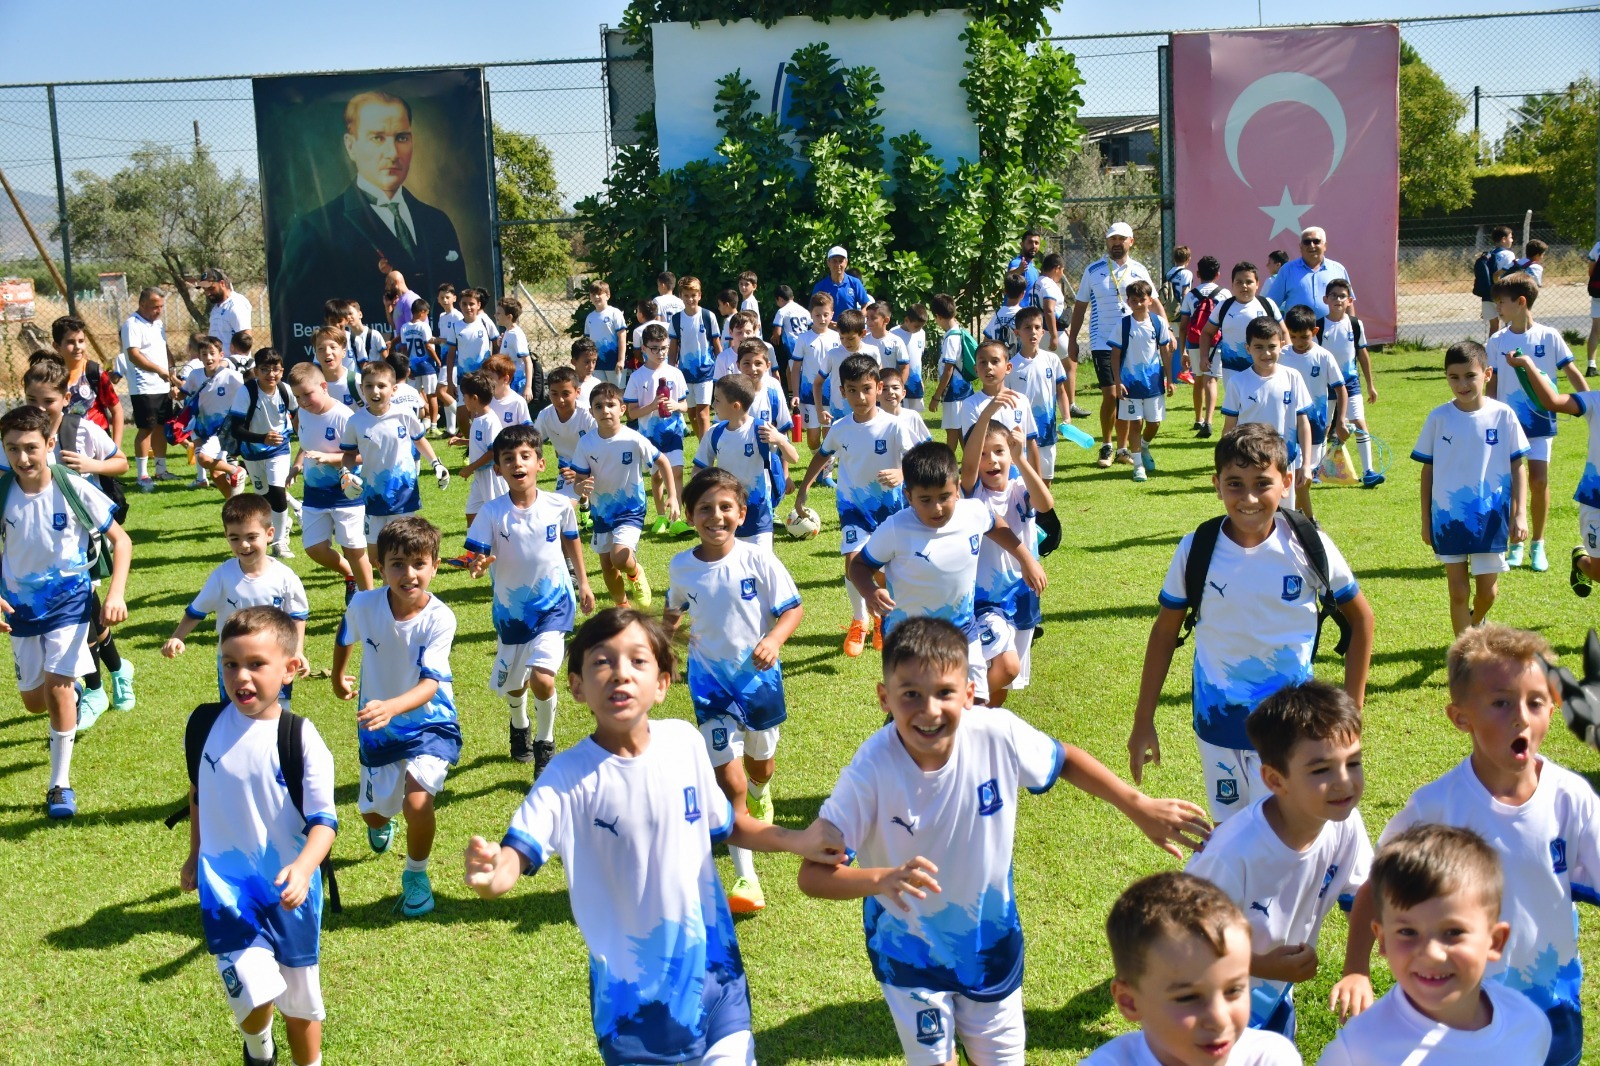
<point x="232" y="602"/>
<point x="210" y="761"/>
<point x="610" y="827"/>
<point x="910" y="827"/>
<point x="1262" y="907"/>
<point x="373" y="643"/>
<point x="1446" y="439"/>
<point x="1221" y="589"/>
<point x="923" y="556"/>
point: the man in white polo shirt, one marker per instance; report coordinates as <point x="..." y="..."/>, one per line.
<point x="230" y="312"/>
<point x="150" y="383"/>
<point x="1594" y="311"/>
<point x="1105" y="282"/>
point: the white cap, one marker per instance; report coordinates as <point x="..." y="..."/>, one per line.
<point x="1120" y="229"/>
<point x="838" y="250"/>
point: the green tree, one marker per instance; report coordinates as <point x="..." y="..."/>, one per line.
<point x="1564" y="157"/>
<point x="525" y="186"/>
<point x="1436" y="158"/>
<point x="173" y="211"/>
<point x="1518" y="143"/>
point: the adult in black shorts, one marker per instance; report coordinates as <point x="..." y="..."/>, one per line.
<point x="150" y="385"/>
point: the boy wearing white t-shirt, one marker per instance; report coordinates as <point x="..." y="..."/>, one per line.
<point x="416" y="347"/>
<point x="480" y="473"/>
<point x="1038" y="374"/>
<point x="1181" y="952"/>
<point x="1289" y="857"/>
<point x="607" y="329"/>
<point x="747" y="297"/>
<point x="1438" y="893"/>
<point x="1542" y="819"/>
<point x="1139" y="351"/>
<point x="562" y="425"/>
<point x="583" y="358"/>
<point x="444" y="346"/>
<point x="1346" y="339"/>
<point x="1224" y="348"/>
<point x="928" y="804"/>
<point x="696" y="342"/>
<point x="954" y="386"/>
<point x="514" y="346"/>
<point x="655" y="399"/>
<point x="209" y="389"/>
<point x="788" y="322"/>
<point x="384" y="443"/>
<point x="832" y="404"/>
<point x="261" y="422"/>
<point x="1270" y="393"/>
<point x="892" y="401"/>
<point x="805" y="367"/>
<point x="328" y="516"/>
<point x="344" y="381"/>
<point x="744" y="447"/>
<point x="507" y="404"/>
<point x="892" y="351"/>
<point x="912" y="332"/>
<point x="995" y="397"/>
<point x="1324" y="382"/>
<point x="633" y="810"/>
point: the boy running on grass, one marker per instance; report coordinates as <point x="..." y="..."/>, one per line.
<point x="328" y="516"/>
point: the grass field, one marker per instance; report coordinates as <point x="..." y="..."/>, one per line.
<point x="102" y="955"/>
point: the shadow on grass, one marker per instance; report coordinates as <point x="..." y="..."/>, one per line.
<point x="21" y="767"/>
<point x="528" y="911"/>
<point x="1075" y="1025"/>
<point x="119" y="923"/>
<point x="850" y="1031"/>
<point x="1424" y="661"/>
<point x="1403" y="573"/>
<point x="88" y="817"/>
<point x="1123" y="545"/>
<point x="517" y="785"/>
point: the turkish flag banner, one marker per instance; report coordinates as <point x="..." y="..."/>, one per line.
<point x="1277" y="130"/>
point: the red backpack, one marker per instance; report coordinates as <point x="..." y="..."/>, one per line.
<point x="1203" y="305"/>
<point x="1594" y="279"/>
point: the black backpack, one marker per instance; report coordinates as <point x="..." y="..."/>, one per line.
<point x="1305" y="531"/>
<point x="1594" y="280"/>
<point x="291" y="760"/>
<point x="241" y="423"/>
<point x="111" y="486"/>
<point x="537" y="387"/>
<point x="1483" y="274"/>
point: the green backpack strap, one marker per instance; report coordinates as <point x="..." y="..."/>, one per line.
<point x="99" y="550"/>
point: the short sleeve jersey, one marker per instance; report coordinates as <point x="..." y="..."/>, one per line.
<point x="747" y="457"/>
<point x="473" y="343"/>
<point x="151" y="340"/>
<point x="809" y="348"/>
<point x="449" y="327"/>
<point x="92" y="441"/>
<point x="647" y="385"/>
<point x="931" y="572"/>
<point x="1004" y="320"/>
<point x="1143" y="369"/>
<point x="1182" y="279"/>
<point x="634" y="836"/>
<point x="346" y="389"/>
<point x="1102" y="287"/>
<point x="563" y="437"/>
<point x="1257" y="623"/>
<point x="1393" y="1031"/>
<point x="396" y="656"/>
<point x="890" y="350"/>
<point x="833" y="392"/>
<point x="1589" y="484"/>
<point x="212" y="398"/>
<point x="1344" y="339"/>
<point x="791" y="320"/>
<point x="532" y="589"/>
<point x="514" y="346"/>
<point x="1000" y="586"/>
<point x="1319" y="371"/>
<point x="1285" y="894"/>
<point x="362" y="348"/>
<point x="863" y="449"/>
<point x="406" y="398"/>
<point x="1549" y="850"/>
<point x="44" y="559"/>
<point x="667" y="305"/>
<point x="602" y="327"/>
<point x="1010" y="417"/>
<point x="620" y="465"/>
<point x="386" y="445"/>
<point x="959" y="388"/>
<point x="249" y="830"/>
<point x="274" y="413"/>
<point x="416" y="341"/>
<point x="1277" y="401"/>
<point x="966" y="938"/>
<point x="1255" y="1047"/>
<point x="915" y="424"/>
<point x="1232" y="317"/>
<point x="229" y="317"/>
<point x="1036" y="378"/>
<point x="229" y="590"/>
<point x="1471" y="453"/>
<point x="693" y="333"/>
<point x="1048" y="297"/>
<point x="1550" y="354"/>
<point x="510" y="409"/>
<point x="751" y="304"/>
<point x="323" y="433"/>
<point x="916" y="345"/>
<point x="480" y="442"/>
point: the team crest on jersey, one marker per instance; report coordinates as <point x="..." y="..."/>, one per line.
<point x="849" y="536"/>
<point x="719" y="738"/>
<point x="222" y="390"/>
<point x="989" y="798"/>
<point x="627" y="458"/>
<point x="230" y="981"/>
<point x="972" y="542"/>
<point x="1227" y="790"/>
<point x="1293" y="585"/>
<point x="1538" y="351"/>
<point x="1491" y="436"/>
<point x="1327" y="879"/>
<point x="329" y="434"/>
<point x="749" y="450"/>
<point x="550" y="534"/>
<point x="277" y="601"/>
<point x="881" y="447"/>
<point x="58" y="520"/>
<point x="691" y="805"/>
<point x="400" y="431"/>
<point x="508" y="418"/>
<point x="1288" y="397"/>
<point x="1316" y="371"/>
<point x="930" y="1026"/>
<point x="1558" y="855"/>
<point x="747" y="588"/>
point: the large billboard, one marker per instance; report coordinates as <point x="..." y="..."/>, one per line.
<point x="1278" y="130"/>
<point x="364" y="174"/>
<point x="920" y="60"/>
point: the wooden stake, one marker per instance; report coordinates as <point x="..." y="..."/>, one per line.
<point x="50" y="264"/>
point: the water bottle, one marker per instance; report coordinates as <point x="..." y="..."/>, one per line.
<point x="796" y="426"/>
<point x="663" y="394"/>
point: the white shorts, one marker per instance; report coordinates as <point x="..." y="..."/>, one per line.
<point x="1316" y="453"/>
<point x="383" y="788"/>
<point x="427" y="384"/>
<point x="913" y="403"/>
<point x="1589" y="529"/>
<point x="1539" y="449"/>
<point x="977" y="671"/>
<point x="621" y="537"/>
<point x="1233" y="779"/>
<point x="486" y="485"/>
<point x="375" y="523"/>
<point x="760" y="540"/>
<point x="852" y="539"/>
<point x="270" y="472"/>
<point x="254" y="976"/>
<point x="1355" y="406"/>
<point x="1480" y="563"/>
<point x="1490" y="312"/>
<point x="1047" y="457"/>
<point x="735" y="1049"/>
<point x="996" y="635"/>
<point x="1024" y="643"/>
<point x="1594" y="307"/>
<point x="810" y="416"/>
<point x="319" y="525"/>
<point x="212" y="449"/>
<point x="929" y="1023"/>
<point x="512" y="662"/>
<point x="63" y="652"/>
<point x="1149" y="409"/>
<point x="699" y="393"/>
<point x="950" y="415"/>
<point x="674" y="460"/>
<point x="726" y="740"/>
<point x="614" y="377"/>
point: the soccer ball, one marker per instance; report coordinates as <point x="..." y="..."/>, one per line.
<point x="803" y="524"/>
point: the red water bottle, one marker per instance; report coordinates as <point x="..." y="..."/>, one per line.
<point x="795" y="428"/>
<point x="663" y="394"/>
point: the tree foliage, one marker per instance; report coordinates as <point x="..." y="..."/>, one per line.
<point x="1561" y="146"/>
<point x="173" y="211"/>
<point x="525" y="187"/>
<point x="1436" y="158"/>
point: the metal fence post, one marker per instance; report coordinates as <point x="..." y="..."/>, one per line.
<point x="61" y="206"/>
<point x="1169" y="215"/>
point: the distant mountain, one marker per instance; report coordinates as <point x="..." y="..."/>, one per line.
<point x="14" y="241"/>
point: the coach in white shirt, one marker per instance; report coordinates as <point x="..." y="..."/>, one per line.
<point x="144" y="342"/>
<point x="230" y="312"/>
<point x="1100" y="292"/>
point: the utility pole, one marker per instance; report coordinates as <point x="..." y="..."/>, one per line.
<point x="61" y="206"/>
<point x="197" y="136"/>
<point x="1477" y="111"/>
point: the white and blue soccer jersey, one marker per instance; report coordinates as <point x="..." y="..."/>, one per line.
<point x="274" y="414"/>
<point x="486" y="480"/>
<point x="532" y="589"/>
<point x="1000" y="586"/>
<point x="747" y="457"/>
<point x="620" y="465"/>
<point x="1284" y="893"/>
<point x="474" y="343"/>
<point x="1344" y="339"/>
<point x="967" y="937"/>
<point x="362" y="348"/>
<point x="1232" y="317"/>
<point x="959" y="388"/>
<point x="931" y="573"/>
<point x="732" y="604"/>
<point x="386" y="445"/>
<point x="1102" y="287"/>
<point x="693" y="333"/>
<point x="323" y="433"/>
<point x="249" y="831"/>
<point x="563" y="438"/>
<point x="449" y="325"/>
<point x="602" y="328"/>
<point x="416" y="344"/>
<point x="1002" y="325"/>
<point x="1258" y="621"/>
<point x="1471" y="453"/>
<point x="1182" y="279"/>
<point x="1549" y="850"/>
<point x="832" y="391"/>
<point x="1588" y="492"/>
<point x="916" y="344"/>
<point x="514" y="346"/>
<point x="396" y="656"/>
<point x="1277" y="401"/>
<point x="1549" y="352"/>
<point x="915" y="425"/>
<point x="1393" y="1030"/>
<point x="809" y="348"/>
<point x="1036" y="378"/>
<point x="406" y="398"/>
<point x="1143" y="367"/>
<point x="1320" y="371"/>
<point x="890" y="350"/>
<point x="791" y="320"/>
<point x="634" y="836"/>
<point x="863" y="449"/>
<point x="44" y="559"/>
<point x="510" y="409"/>
<point x="345" y="389"/>
<point x="229" y="590"/>
<point x="1012" y="418"/>
<point x="93" y="442"/>
<point x="1254" y="1047"/>
<point x="646" y="386"/>
<point x="212" y="399"/>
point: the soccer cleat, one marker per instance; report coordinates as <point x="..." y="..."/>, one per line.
<point x="350" y="590"/>
<point x="1124" y="457"/>
<point x="460" y="562"/>
<point x="281" y="551"/>
<point x="199" y="482"/>
<point x="1591" y="371"/>
<point x="1077" y="412"/>
<point x="416" y="894"/>
<point x="122" y="687"/>
<point x="827" y="482"/>
<point x="543" y="752"/>
<point x="1205" y="430"/>
<point x="60" y="803"/>
<point x="585" y="520"/>
<point x="760" y="808"/>
<point x="1538" y="562"/>
<point x="745" y="896"/>
<point x="166" y="475"/>
<point x="638" y="587"/>
<point x="659" y="524"/>
<point x="1186" y="377"/>
<point x="1139" y="474"/>
<point x="1197" y="425"/>
<point x="379" y="839"/>
<point x="877" y="633"/>
<point x="679" y="528"/>
<point x="1514" y="556"/>
<point x="1149" y="461"/>
<point x="1372" y="479"/>
<point x="253" y="1060"/>
<point x="522" y="743"/>
<point x="1581" y="585"/>
<point x="92" y="703"/>
<point x="147" y="484"/>
<point x="855" y="638"/>
<point x="1104" y="459"/>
